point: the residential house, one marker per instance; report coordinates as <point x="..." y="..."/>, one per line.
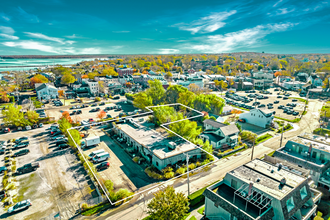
<point x="293" y="85"/>
<point x="259" y="190"/>
<point x="220" y="135"/>
<point x="157" y="149"/>
<point x="315" y="80"/>
<point x="310" y="152"/>
<point x="46" y="91"/>
<point x="302" y="77"/>
<point x="261" y="117"/>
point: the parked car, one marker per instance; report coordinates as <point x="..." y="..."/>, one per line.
<point x="279" y="97"/>
<point x="295" y="113"/>
<point x="28" y="168"/>
<point x="61" y="141"/>
<point x="63" y="146"/>
<point x="6" y="130"/>
<point x="73" y="112"/>
<point x="270" y="107"/>
<point x="3" y="169"/>
<point x="284" y="98"/>
<point x="101" y="157"/>
<point x="102" y="103"/>
<point x="280" y="107"/>
<point x="94" y="104"/>
<point x="261" y="106"/>
<point x="242" y="120"/>
<point x="3" y="194"/>
<point x="91" y="120"/>
<point x="25" y="204"/>
<point x="79" y="112"/>
<point x="21" y="152"/>
<point x="102" y="166"/>
<point x="107" y="108"/>
<point x="116" y="97"/>
<point x="276" y="90"/>
<point x="19" y="140"/>
<point x="276" y="102"/>
<point x="97" y="109"/>
<point x="294" y="100"/>
<point x="109" y="116"/>
<point x="287" y="94"/>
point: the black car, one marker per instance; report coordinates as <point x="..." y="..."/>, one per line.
<point x="21" y="152"/>
<point x="19" y="140"/>
<point x="73" y="112"/>
<point x="28" y="168"/>
<point x="94" y="105"/>
<point x="97" y="109"/>
<point x="2" y="194"/>
<point x="294" y="100"/>
<point x="284" y="98"/>
<point x="116" y="97"/>
<point x="107" y="108"/>
<point x="279" y="97"/>
<point x="79" y="112"/>
<point x="261" y="106"/>
<point x="280" y="107"/>
<point x="102" y="103"/>
<point x="102" y="166"/>
<point x="63" y="146"/>
<point x="61" y="141"/>
<point x="295" y="113"/>
<point x="276" y="102"/>
<point x="256" y="103"/>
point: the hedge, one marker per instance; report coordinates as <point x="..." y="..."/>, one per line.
<point x="322" y="131"/>
<point x="285" y="119"/>
<point x="300" y="99"/>
<point x="263" y="138"/>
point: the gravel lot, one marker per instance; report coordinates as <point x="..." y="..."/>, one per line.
<point x="59" y="185"/>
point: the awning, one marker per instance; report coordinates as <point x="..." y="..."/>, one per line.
<point x="234" y="137"/>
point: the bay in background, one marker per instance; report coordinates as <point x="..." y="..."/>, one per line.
<point x="13" y="63"/>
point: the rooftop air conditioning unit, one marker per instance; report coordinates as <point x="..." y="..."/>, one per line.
<point x="171" y="145"/>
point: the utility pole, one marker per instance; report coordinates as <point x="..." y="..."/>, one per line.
<point x="187" y="159"/>
<point x="254" y="141"/>
<point x="281" y="136"/>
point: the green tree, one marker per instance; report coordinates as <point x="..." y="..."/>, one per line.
<point x="92" y="75"/>
<point x="168" y="75"/>
<point x="64" y="125"/>
<point x="156" y="91"/>
<point x="220" y="84"/>
<point x="13" y="116"/>
<point x="185" y="128"/>
<point x="68" y="79"/>
<point x="163" y="114"/>
<point x="187" y="98"/>
<point x="109" y="72"/>
<point x="168" y="204"/>
<point x="209" y="103"/>
<point x="32" y="116"/>
<point x="75" y="136"/>
<point x="142" y="100"/>
<point x="173" y="93"/>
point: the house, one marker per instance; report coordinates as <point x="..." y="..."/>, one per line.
<point x="157" y="149"/>
<point x="310" y="152"/>
<point x="219" y="134"/>
<point x="315" y="80"/>
<point x="293" y="85"/>
<point x="262" y="80"/>
<point x="261" y="117"/>
<point x="93" y="87"/>
<point x="197" y="80"/>
<point x="259" y="190"/>
<point x="302" y="77"/>
<point x="46" y="91"/>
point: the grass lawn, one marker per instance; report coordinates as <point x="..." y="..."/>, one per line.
<point x="293" y="121"/>
<point x="96" y="208"/>
<point x="263" y="138"/>
<point x="193" y="218"/>
<point x="201" y="210"/>
<point x="300" y="99"/>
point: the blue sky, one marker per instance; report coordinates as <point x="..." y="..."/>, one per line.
<point x="163" y="27"/>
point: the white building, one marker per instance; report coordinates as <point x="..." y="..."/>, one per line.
<point x="261" y="117"/>
<point x="262" y="80"/>
<point x="154" y="147"/>
<point x="295" y="85"/>
<point x="93" y="87"/>
<point x="46" y="91"/>
<point x="197" y="80"/>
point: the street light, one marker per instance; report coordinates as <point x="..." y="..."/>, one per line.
<point x="187" y="160"/>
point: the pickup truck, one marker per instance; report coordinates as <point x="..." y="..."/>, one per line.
<point x="28" y="168"/>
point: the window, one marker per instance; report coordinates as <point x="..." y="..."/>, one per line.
<point x="290" y="204"/>
<point x="303" y="192"/>
<point x="156" y="163"/>
<point x="314" y="154"/>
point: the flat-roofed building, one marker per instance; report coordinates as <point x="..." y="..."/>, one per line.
<point x="159" y="150"/>
<point x="263" y="191"/>
<point x="311" y="152"/>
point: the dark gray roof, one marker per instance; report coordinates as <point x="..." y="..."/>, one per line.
<point x="40" y="87"/>
<point x="214" y="123"/>
<point x="212" y="137"/>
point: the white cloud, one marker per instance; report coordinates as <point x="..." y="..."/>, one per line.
<point x="249" y="37"/>
<point x="73" y="36"/>
<point x="7" y="30"/>
<point x="91" y="50"/>
<point x="45" y="37"/>
<point x="10" y="37"/>
<point x="4" y="17"/>
<point x="27" y="17"/>
<point x="277" y="3"/>
<point x="167" y="51"/>
<point x="31" y="45"/>
<point x="207" y="24"/>
<point x="120" y="31"/>
<point x="283" y="11"/>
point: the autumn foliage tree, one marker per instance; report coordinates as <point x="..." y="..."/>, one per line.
<point x="101" y="114"/>
<point x="66" y="115"/>
<point x="4" y="97"/>
<point x="38" y="79"/>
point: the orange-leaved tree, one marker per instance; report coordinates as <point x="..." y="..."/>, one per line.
<point x="101" y="114"/>
<point x="235" y="112"/>
<point x="66" y="115"/>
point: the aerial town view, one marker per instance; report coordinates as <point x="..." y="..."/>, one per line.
<point x="184" y="110"/>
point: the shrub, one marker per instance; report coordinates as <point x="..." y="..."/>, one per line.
<point x="181" y="170"/>
<point x="85" y="207"/>
<point x="109" y="185"/>
<point x="153" y="174"/>
<point x="324" y="208"/>
<point x="122" y="194"/>
<point x="192" y="166"/>
<point x="97" y="99"/>
<point x="198" y="164"/>
<point x="136" y="159"/>
<point x="169" y="175"/>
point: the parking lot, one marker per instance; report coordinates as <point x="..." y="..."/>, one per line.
<point x="123" y="171"/>
<point x="272" y="98"/>
<point x="57" y="186"/>
<point x="87" y="112"/>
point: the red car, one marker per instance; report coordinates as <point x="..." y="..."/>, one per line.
<point x="91" y="120"/>
<point x="242" y="120"/>
<point x="6" y="130"/>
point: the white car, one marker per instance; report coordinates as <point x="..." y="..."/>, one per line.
<point x="20" y="206"/>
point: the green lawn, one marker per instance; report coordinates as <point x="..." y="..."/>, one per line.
<point x="193" y="218"/>
<point x="300" y="99"/>
<point x="263" y="138"/>
<point x="201" y="210"/>
<point x="285" y="119"/>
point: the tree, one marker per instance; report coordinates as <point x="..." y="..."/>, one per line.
<point x="209" y="103"/>
<point x="185" y="128"/>
<point x="75" y="137"/>
<point x="32" y="116"/>
<point x="235" y="112"/>
<point x="109" y="72"/>
<point x="101" y="86"/>
<point x="61" y="93"/>
<point x="13" y="116"/>
<point x="64" y="125"/>
<point x="163" y="114"/>
<point x="173" y="93"/>
<point x="168" y="75"/>
<point x="4" y="97"/>
<point x="230" y="82"/>
<point x="101" y="114"/>
<point x="68" y="79"/>
<point x="326" y="83"/>
<point x="38" y="79"/>
<point x="156" y="91"/>
<point x="168" y="205"/>
<point x="91" y="75"/>
<point x="66" y="115"/>
<point x="195" y="88"/>
<point x="220" y="84"/>
<point x="142" y="100"/>
<point x="186" y="98"/>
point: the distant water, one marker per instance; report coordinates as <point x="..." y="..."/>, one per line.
<point x="33" y="62"/>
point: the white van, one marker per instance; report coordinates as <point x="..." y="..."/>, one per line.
<point x="101" y="157"/>
<point x="91" y="155"/>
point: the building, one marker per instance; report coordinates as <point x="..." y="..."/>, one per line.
<point x="125" y="71"/>
<point x="93" y="87"/>
<point x="294" y="85"/>
<point x="302" y="77"/>
<point x="197" y="80"/>
<point x="46" y="91"/>
<point x="262" y="80"/>
<point x="261" y="117"/>
<point x="263" y="191"/>
<point x="310" y="152"/>
<point x="220" y="135"/>
<point x="154" y="147"/>
<point x="315" y="80"/>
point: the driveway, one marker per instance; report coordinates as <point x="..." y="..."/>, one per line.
<point x="253" y="128"/>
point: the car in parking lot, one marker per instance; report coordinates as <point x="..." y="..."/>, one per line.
<point x="289" y="112"/>
<point x="287" y="94"/>
<point x="94" y="104"/>
<point x="28" y="168"/>
<point x="21" y="152"/>
<point x="109" y="116"/>
<point x="79" y="112"/>
<point x="288" y="104"/>
<point x="61" y="141"/>
<point x="25" y="204"/>
<point x="6" y="130"/>
<point x="294" y="100"/>
<point x="63" y="146"/>
<point x="276" y="102"/>
<point x="276" y="90"/>
<point x="256" y="103"/>
<point x="279" y="96"/>
<point x="261" y="106"/>
<point x="97" y="109"/>
<point x="295" y="113"/>
<point x="73" y="112"/>
<point x="270" y="107"/>
<point x="2" y="194"/>
<point x="102" y="103"/>
<point x="21" y="139"/>
<point x="3" y="169"/>
<point x="284" y="98"/>
<point x="285" y="110"/>
<point x="90" y="120"/>
<point x="103" y="165"/>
